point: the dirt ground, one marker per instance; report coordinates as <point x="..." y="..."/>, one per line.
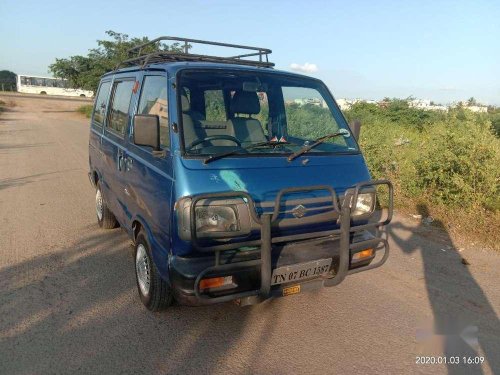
<point x="69" y="304"/>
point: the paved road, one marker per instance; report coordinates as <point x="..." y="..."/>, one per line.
<point x="68" y="300"/>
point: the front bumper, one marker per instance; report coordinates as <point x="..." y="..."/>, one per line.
<point x="253" y="268"/>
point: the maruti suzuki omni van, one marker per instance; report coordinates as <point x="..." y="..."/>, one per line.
<point x="235" y="181"/>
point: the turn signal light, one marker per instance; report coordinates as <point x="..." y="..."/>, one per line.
<point x="363" y="254"/>
<point x="217" y="282"/>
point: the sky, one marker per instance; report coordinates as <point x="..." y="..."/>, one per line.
<point x="439" y="50"/>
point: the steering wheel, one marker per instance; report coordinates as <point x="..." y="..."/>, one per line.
<point x="213" y="138"/>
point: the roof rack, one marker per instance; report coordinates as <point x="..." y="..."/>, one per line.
<point x="137" y="57"/>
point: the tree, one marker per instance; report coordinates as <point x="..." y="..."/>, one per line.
<point x="7" y="80"/>
<point x="471" y="101"/>
<point x="85" y="71"/>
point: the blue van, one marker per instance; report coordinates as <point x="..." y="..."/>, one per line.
<point x="234" y="181"/>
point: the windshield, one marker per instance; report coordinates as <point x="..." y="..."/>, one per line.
<point x="232" y="111"/>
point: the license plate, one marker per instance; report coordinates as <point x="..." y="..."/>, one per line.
<point x="300" y="271"/>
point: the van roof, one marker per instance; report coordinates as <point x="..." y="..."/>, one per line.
<point x="173" y="67"/>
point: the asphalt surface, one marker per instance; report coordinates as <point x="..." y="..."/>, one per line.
<point x="69" y="304"/>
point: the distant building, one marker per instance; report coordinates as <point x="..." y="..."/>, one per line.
<point x="477" y="108"/>
<point x="311" y="101"/>
<point x="426" y="105"/>
<point x="419" y="103"/>
<point x="344" y="104"/>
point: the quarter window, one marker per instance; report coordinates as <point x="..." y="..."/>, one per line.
<point x="118" y="117"/>
<point x="100" y="103"/>
<point x="154" y="102"/>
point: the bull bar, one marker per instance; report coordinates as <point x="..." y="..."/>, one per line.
<point x="266" y="220"/>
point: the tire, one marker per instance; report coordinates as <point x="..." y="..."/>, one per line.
<point x="154" y="292"/>
<point x="82" y="95"/>
<point x="105" y="217"/>
<point x="43" y="93"/>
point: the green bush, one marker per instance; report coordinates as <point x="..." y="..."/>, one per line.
<point x="451" y="161"/>
<point x="495" y="122"/>
<point x="85" y="110"/>
<point x="460" y="165"/>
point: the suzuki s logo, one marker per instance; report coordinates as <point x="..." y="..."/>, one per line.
<point x="299" y="211"/>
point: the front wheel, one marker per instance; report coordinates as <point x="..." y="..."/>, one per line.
<point x="154" y="292"/>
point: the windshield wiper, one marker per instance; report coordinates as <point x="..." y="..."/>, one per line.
<point x="249" y="147"/>
<point x="318" y="141"/>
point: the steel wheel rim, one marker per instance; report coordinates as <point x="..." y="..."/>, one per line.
<point x="99" y="204"/>
<point x="143" y="270"/>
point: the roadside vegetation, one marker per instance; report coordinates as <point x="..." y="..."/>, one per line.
<point x="4" y="105"/>
<point x="85" y="110"/>
<point x="7" y="80"/>
<point x="447" y="161"/>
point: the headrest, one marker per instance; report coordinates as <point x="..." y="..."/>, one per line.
<point x="185" y="106"/>
<point x="246" y="102"/>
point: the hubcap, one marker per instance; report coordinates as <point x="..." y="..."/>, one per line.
<point x="98" y="204"/>
<point x="142" y="268"/>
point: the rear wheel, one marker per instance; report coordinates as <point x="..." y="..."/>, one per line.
<point x="154" y="292"/>
<point x="105" y="217"/>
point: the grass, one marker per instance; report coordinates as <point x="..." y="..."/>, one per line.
<point x="85" y="110"/>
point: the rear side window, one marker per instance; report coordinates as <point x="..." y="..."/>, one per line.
<point x="118" y="116"/>
<point x="100" y="103"/>
<point x="154" y="102"/>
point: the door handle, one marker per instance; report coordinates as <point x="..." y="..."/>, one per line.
<point x="119" y="159"/>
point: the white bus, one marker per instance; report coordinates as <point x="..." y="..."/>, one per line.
<point x="48" y="86"/>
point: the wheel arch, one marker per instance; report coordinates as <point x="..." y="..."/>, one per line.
<point x="139" y="223"/>
<point x="160" y="259"/>
<point x="95" y="177"/>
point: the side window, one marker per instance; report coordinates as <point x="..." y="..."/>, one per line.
<point x="100" y="103"/>
<point x="215" y="108"/>
<point x="154" y="102"/>
<point x="120" y="102"/>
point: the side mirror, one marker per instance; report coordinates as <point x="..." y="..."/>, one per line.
<point x="355" y="128"/>
<point x="147" y="131"/>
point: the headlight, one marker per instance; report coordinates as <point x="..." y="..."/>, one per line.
<point x="364" y="204"/>
<point x="219" y="218"/>
<point x="216" y="219"/>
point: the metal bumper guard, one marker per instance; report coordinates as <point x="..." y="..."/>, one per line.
<point x="266" y="221"/>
